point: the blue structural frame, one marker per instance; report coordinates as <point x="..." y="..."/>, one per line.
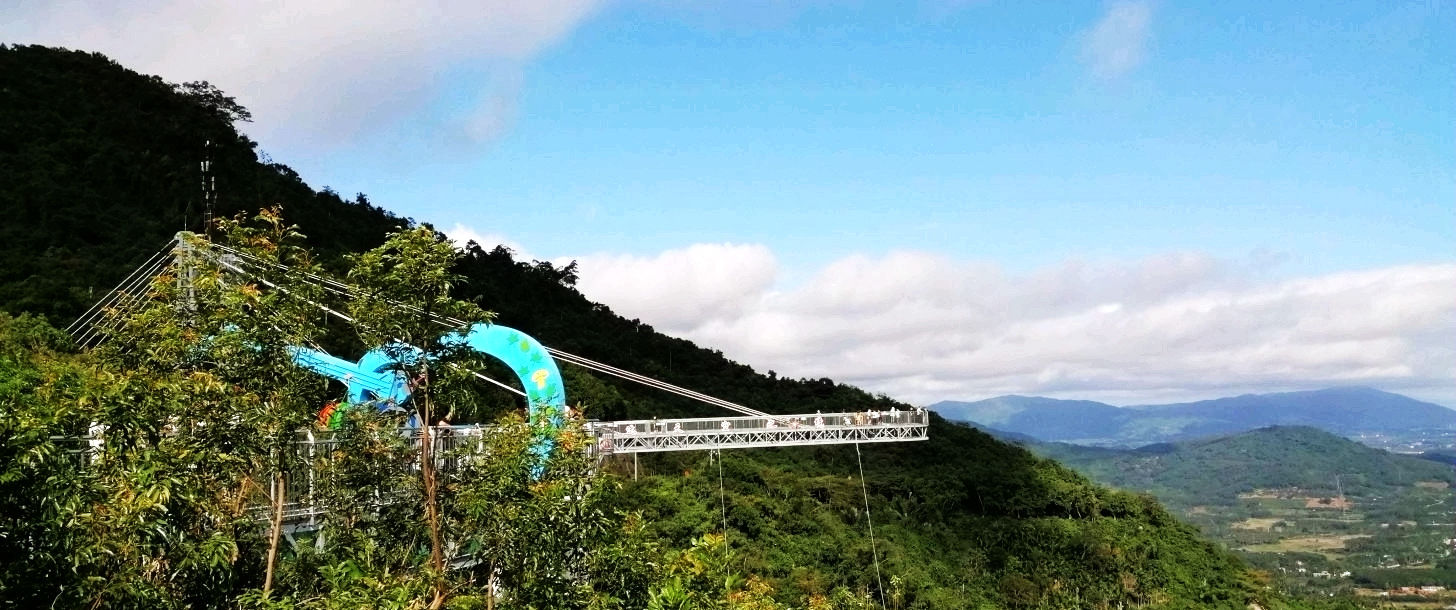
<point x="377" y="377"/>
<point x="374" y="378"/>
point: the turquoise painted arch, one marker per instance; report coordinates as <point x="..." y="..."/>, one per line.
<point x="533" y="365"/>
<point x="376" y="376"/>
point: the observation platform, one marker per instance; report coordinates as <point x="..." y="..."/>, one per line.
<point x="712" y="433"/>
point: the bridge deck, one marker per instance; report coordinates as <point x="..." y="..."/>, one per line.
<point x="634" y="436"/>
<point x="655" y="435"/>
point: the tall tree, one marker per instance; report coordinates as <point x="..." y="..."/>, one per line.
<point x="193" y="402"/>
<point x="405" y="305"/>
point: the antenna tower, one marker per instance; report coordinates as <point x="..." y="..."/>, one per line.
<point x="209" y="190"/>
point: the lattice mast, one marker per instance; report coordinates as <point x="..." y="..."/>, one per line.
<point x="209" y="190"/>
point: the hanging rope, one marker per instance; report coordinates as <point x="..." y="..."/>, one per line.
<point x="874" y="552"/>
<point x="650" y="382"/>
<point x="501" y="385"/>
<point x="723" y="508"/>
<point x="722" y="498"/>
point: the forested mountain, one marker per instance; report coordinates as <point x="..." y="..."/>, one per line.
<point x="1293" y="497"/>
<point x="100" y="168"/>
<point x="1339" y="410"/>
<point x="1217" y="470"/>
<point x="1038" y="417"/>
<point x="1445" y="456"/>
<point x="1346" y="411"/>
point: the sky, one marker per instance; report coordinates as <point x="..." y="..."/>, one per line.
<point x="1134" y="201"/>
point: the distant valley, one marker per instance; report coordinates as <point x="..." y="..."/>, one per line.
<point x="1382" y="418"/>
<point x="1302" y="484"/>
<point x="1323" y="512"/>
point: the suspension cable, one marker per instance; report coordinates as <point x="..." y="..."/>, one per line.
<point x="654" y="383"/>
<point x="76" y="325"/>
<point x="874" y="551"/>
<point x="103" y="322"/>
<point x="499" y="384"/>
<point x="723" y="507"/>
<point x="348" y="291"/>
<point x="141" y="276"/>
<point x="342" y="316"/>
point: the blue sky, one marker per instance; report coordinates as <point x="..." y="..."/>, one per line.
<point x="982" y="133"/>
<point x="1135" y="201"/>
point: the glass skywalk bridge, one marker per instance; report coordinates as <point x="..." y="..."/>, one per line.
<point x="713" y="433"/>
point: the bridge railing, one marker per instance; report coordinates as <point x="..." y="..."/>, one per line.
<point x="302" y="507"/>
<point x="311" y="447"/>
<point x="649" y="435"/>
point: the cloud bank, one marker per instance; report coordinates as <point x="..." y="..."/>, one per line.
<point x="325" y="70"/>
<point x="462" y="235"/>
<point x="681" y="289"/>
<point x="922" y="327"/>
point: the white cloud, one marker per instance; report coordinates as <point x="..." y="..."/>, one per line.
<point x="680" y="288"/>
<point x="462" y="235"/>
<point x="923" y="327"/>
<point x="1117" y="43"/>
<point x="325" y="70"/>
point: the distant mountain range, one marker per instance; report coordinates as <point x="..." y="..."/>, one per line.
<point x="1216" y="470"/>
<point x="1344" y="411"/>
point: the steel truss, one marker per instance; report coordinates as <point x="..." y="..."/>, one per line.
<point x="696" y="434"/>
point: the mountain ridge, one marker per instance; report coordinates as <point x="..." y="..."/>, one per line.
<point x="1341" y="410"/>
<point x="1270" y="457"/>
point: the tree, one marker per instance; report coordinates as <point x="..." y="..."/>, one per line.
<point x="41" y="488"/>
<point x="208" y="96"/>
<point x="405" y="305"/>
<point x="205" y="398"/>
<point x="192" y="404"/>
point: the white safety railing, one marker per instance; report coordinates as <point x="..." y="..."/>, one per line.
<point x="302" y="510"/>
<point x="655" y="435"/>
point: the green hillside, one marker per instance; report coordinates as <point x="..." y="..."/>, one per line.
<point x="1216" y="471"/>
<point x="100" y="168"/>
<point x="1296" y="498"/>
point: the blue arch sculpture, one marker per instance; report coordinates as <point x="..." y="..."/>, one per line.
<point x="376" y="376"/>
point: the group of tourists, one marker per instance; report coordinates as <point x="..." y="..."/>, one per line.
<point x="872" y="417"/>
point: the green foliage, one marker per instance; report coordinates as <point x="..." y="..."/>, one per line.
<point x="101" y="167"/>
<point x="406" y="289"/>
<point x="1390" y="578"/>
<point x="101" y="162"/>
<point x="188" y="405"/>
<point x="989" y="525"/>
<point x="1397" y="502"/>
<point x="1215" y="471"/>
<point x="41" y="488"/>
